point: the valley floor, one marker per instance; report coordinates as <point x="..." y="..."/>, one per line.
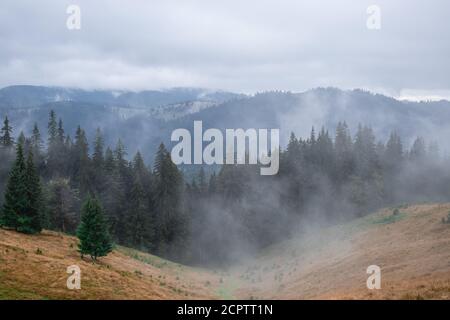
<point x="412" y="249"/>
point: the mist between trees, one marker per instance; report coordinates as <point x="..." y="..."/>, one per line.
<point x="225" y="213"/>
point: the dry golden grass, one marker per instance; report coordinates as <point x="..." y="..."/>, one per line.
<point x="34" y="267"/>
<point x="412" y="249"/>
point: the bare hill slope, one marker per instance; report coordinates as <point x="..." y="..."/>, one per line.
<point x="412" y="249"/>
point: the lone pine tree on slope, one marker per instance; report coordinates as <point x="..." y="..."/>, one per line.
<point x="93" y="232"/>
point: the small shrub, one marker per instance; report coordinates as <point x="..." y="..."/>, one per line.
<point x="396" y="212"/>
<point x="38" y="251"/>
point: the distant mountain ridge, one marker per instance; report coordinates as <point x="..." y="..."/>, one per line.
<point x="26" y="96"/>
<point x="144" y="119"/>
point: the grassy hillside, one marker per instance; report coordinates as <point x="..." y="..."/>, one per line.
<point x="412" y="249"/>
<point x="34" y="267"/>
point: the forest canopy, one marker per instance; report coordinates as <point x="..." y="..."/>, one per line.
<point x="225" y="211"/>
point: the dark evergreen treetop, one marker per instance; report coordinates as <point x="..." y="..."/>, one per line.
<point x="98" y="155"/>
<point x="16" y="202"/>
<point x="93" y="232"/>
<point x="52" y="128"/>
<point x="6" y="139"/>
<point x="35" y="210"/>
<point x="36" y="141"/>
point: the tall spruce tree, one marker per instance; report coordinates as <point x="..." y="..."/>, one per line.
<point x="22" y="209"/>
<point x="170" y="223"/>
<point x="62" y="205"/>
<point x="109" y="162"/>
<point x="393" y="154"/>
<point x="16" y="200"/>
<point x="36" y="140"/>
<point x="6" y="139"/>
<point x="98" y="156"/>
<point x="140" y="228"/>
<point x="21" y="140"/>
<point x="418" y="150"/>
<point x="93" y="232"/>
<point x="81" y="173"/>
<point x="139" y="216"/>
<point x="52" y="128"/>
<point x="344" y="160"/>
<point x="35" y="212"/>
<point x="119" y="189"/>
<point x="53" y="156"/>
<point x="98" y="164"/>
<point x="61" y="134"/>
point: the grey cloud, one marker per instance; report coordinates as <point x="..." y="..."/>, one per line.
<point x="233" y="45"/>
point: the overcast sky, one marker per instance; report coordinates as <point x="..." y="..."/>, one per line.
<point x="244" y="46"/>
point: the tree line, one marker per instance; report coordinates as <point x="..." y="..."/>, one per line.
<point x="218" y="214"/>
<point x="66" y="173"/>
<point x="323" y="179"/>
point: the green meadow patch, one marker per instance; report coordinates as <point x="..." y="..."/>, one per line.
<point x="390" y="218"/>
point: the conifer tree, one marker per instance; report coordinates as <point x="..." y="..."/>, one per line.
<point x="325" y="152"/>
<point x="343" y="154"/>
<point x="393" y="154"/>
<point x="170" y="221"/>
<point x="418" y="150"/>
<point x="61" y="134"/>
<point x="109" y="162"/>
<point x="16" y="201"/>
<point x="93" y="232"/>
<point x="140" y="170"/>
<point x="53" y="167"/>
<point x="120" y="154"/>
<point x="140" y="229"/>
<point x="6" y="139"/>
<point x="36" y="141"/>
<point x="81" y="176"/>
<point x="62" y="205"/>
<point x="293" y="148"/>
<point x="98" y="157"/>
<point x="119" y="186"/>
<point x="139" y="216"/>
<point x="365" y="153"/>
<point x="98" y="164"/>
<point x="21" y="139"/>
<point x="52" y="128"/>
<point x="35" y="212"/>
